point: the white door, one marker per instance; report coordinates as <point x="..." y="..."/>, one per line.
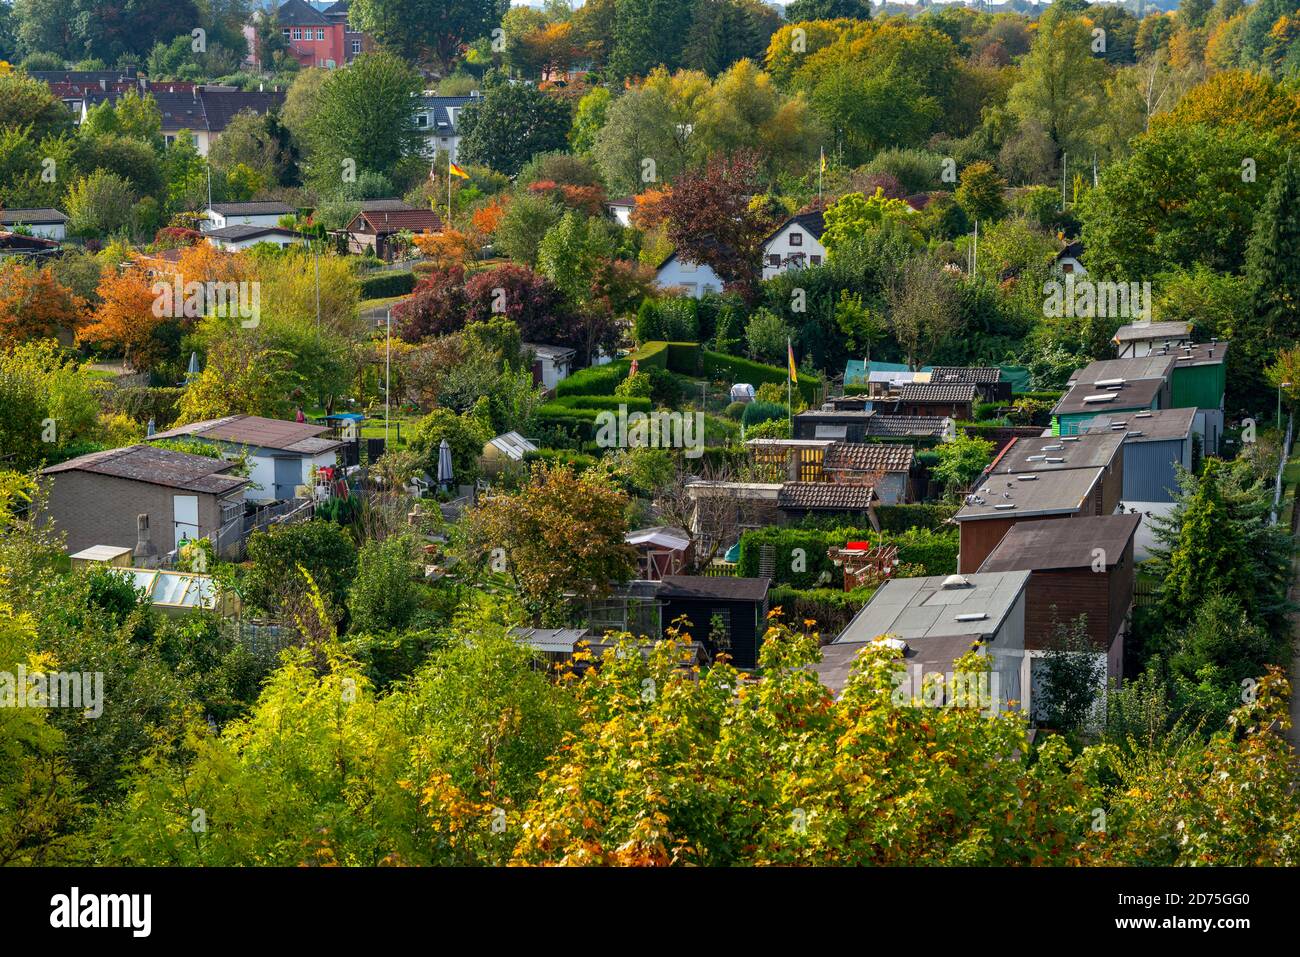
<point x="185" y="516"/>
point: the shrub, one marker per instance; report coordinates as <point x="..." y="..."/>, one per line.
<point x="634" y="385"/>
<point x="756" y="412"/>
<point x="830" y="608"/>
<point x="736" y="369"/>
<point x="322" y="548"/>
<point x="899" y="518"/>
<point x="594" y="380"/>
<point x="736" y="410"/>
<point x="141" y="403"/>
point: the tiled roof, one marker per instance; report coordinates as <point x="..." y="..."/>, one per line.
<point x="300" y="13"/>
<point x="932" y="392"/>
<point x="983" y="375"/>
<point x="825" y="495"/>
<point x="813" y="222"/>
<point x="264" y="208"/>
<point x="145" y="463"/>
<point x="392" y="221"/>
<point x="222" y="106"/>
<point x="902" y="425"/>
<point x="869" y="457"/>
<point x="32" y="217"/>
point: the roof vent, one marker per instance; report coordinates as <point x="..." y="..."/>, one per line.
<point x="1004" y="506"/>
<point x="898" y="644"/>
<point x="1099" y="397"/>
<point x="1055" y="460"/>
<point x="1142" y="415"/>
<point x="1109" y="383"/>
<point x="1035" y="458"/>
<point x="1131" y="434"/>
<point x="972" y="616"/>
<point x="1027" y="478"/>
<point x="956" y="581"/>
<point x="1053" y="448"/>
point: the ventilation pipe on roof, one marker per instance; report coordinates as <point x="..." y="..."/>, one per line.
<point x="144" y="552"/>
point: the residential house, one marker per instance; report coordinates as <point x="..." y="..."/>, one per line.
<point x="43" y="223"/>
<point x="262" y="213"/>
<point x="795" y="244"/>
<point x="380" y="220"/>
<point x="1027" y="455"/>
<point x="621" y="209"/>
<point x="281" y="455"/>
<point x="1110" y="387"/>
<point x="1069" y="261"/>
<point x="235" y="238"/>
<point x="205" y="111"/>
<point x="694" y="279"/>
<point x="663" y="550"/>
<point x="932" y="622"/>
<point x="1078" y="567"/>
<point x="1000" y="501"/>
<point x="96" y="499"/>
<point x="726" y="615"/>
<point x="551" y="364"/>
<point x="954" y="400"/>
<point x="885" y="466"/>
<point x="1143" y="338"/>
<point x="1155" y="445"/>
<point x="438" y="118"/>
<point x="321" y="38"/>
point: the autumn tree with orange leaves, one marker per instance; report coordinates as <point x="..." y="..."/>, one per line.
<point x="125" y="318"/>
<point x="33" y="304"/>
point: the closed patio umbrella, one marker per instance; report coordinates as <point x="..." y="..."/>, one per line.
<point x="444" y="464"/>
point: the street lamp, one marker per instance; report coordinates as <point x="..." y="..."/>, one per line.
<point x="1280" y="387"/>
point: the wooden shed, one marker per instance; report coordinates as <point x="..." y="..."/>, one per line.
<point x="1078" y="566"/>
<point x="739" y="603"/>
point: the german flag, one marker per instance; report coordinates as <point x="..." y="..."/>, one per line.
<point x="455" y="170"/>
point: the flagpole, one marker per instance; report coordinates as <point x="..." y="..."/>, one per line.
<point x="449" y="225"/>
<point x="821" y="169"/>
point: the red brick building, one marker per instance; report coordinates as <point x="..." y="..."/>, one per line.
<point x="321" y="37"/>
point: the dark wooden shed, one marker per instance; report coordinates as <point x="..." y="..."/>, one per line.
<point x="740" y="602"/>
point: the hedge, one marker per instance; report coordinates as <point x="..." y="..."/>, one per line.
<point x="142" y="403"/>
<point x="634" y="403"/>
<point x="594" y="380"/>
<point x="832" y="610"/>
<point x="720" y="366"/>
<point x="382" y="285"/>
<point x="756" y="412"/>
<point x="934" y="551"/>
<point x="899" y="518"/>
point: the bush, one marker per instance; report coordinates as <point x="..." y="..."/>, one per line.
<point x="322" y="548"/>
<point x="899" y="518"/>
<point x="385" y="595"/>
<point x="771" y="429"/>
<point x="382" y="285"/>
<point x="830" y="608"/>
<point x="142" y="403"/>
<point x="594" y="380"/>
<point x="736" y="410"/>
<point x="756" y="412"/>
<point x="667" y="319"/>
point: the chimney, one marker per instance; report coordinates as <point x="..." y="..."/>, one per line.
<point x="144" y="553"/>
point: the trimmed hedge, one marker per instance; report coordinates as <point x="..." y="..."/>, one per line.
<point x="720" y="366"/>
<point x="594" y="380"/>
<point x="756" y="412"/>
<point x="933" y="551"/>
<point x="899" y="518"/>
<point x="382" y="285"/>
<point x="634" y="403"/>
<point x="832" y="610"/>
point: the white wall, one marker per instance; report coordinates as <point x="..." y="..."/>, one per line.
<point x="695" y="280"/>
<point x="254" y="240"/>
<point x="782" y="245"/>
<point x="55" y="231"/>
<point x="216" y="220"/>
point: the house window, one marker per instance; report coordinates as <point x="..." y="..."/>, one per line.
<point x="285" y="31"/>
<point x="720" y="628"/>
<point x="796" y="239"/>
<point x="320" y="33"/>
<point x="297" y="33"/>
<point x="1067" y="267"/>
<point x="815" y="260"/>
<point x="774" y="260"/>
<point x="356" y="47"/>
<point x="422" y="119"/>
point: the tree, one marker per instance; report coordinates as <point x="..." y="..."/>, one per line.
<point x="589" y="118"/>
<point x="799" y="11"/>
<point x="961" y="461"/>
<point x="1074" y="675"/>
<point x="33" y="303"/>
<point x="1059" y="82"/>
<point x="242" y="376"/>
<point x="279" y="557"/>
<point x="531" y="301"/>
<point x="923" y="308"/>
<point x="1272" y="320"/>
<point x="853" y="215"/>
<point x="385" y="596"/>
<point x="465" y="435"/>
<point x="259" y="142"/>
<point x="710" y="221"/>
<point x="570" y="254"/>
<point x="510" y="124"/>
<point x="524" y="224"/>
<point x="561" y="534"/>
<point x="980" y="192"/>
<point x="862" y="325"/>
<point x="364" y="120"/>
<point x="647" y="35"/>
<point x="99" y="204"/>
<point x="126" y="318"/>
<point x="28" y="104"/>
<point x="440" y="29"/>
<point x="766" y="336"/>
<point x="435" y="308"/>
<point x="646" y="137"/>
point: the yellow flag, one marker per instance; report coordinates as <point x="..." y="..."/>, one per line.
<point x="455" y="170"/>
<point x="794" y="374"/>
<point x="823" y="161"/>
